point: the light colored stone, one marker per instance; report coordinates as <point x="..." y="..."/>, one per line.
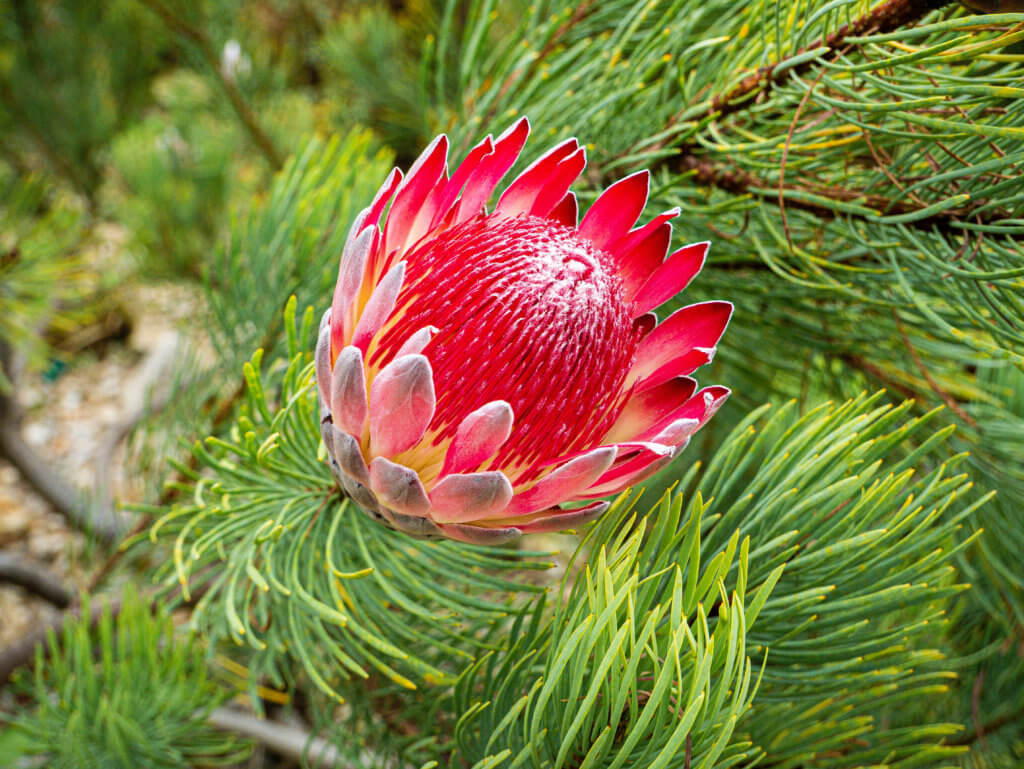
<point x="37" y="433"/>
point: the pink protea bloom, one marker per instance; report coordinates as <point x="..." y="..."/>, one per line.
<point x="477" y="370"/>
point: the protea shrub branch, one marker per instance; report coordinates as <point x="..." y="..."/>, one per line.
<point x="478" y="369"/>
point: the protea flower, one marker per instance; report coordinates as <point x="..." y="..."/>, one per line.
<point x="477" y="370"/>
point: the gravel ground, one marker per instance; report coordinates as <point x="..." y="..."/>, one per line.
<point x="71" y="423"/>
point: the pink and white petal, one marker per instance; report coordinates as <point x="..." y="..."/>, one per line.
<point x="357" y="252"/>
<point x="677" y="433"/>
<point x="481" y="183"/>
<point x="346" y="452"/>
<point x="560" y="520"/>
<point x="348" y="391"/>
<point x="636" y="471"/>
<point x="382" y="197"/>
<point x="424" y="174"/>
<point x="616" y="210"/>
<point x="359" y="224"/>
<point x="398" y="487"/>
<point x="378" y="307"/>
<point x="567" y="211"/>
<point x="470" y="497"/>
<point x="458" y="179"/>
<point x="416" y="341"/>
<point x="638" y="264"/>
<point x="671" y="277"/>
<point x="633" y="454"/>
<point x="632" y="464"/>
<point x="684" y="341"/>
<point x="697" y="409"/>
<point x="519" y="196"/>
<point x="565" y="482"/>
<point x="478" y="437"/>
<point x="402" y="404"/>
<point x="645" y="409"/>
<point x="479" y="535"/>
<point x="322" y="359"/>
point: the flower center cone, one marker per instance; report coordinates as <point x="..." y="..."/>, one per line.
<point x="527" y="312"/>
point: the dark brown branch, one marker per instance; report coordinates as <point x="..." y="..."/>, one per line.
<point x="887" y="17"/>
<point x="23" y="652"/>
<point x="96" y="521"/>
<point x="739" y="182"/>
<point x="209" y="54"/>
<point x="35" y="578"/>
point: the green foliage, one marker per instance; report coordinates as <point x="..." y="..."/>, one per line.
<point x="292" y="571"/>
<point x="39" y="232"/>
<point x="643" y="663"/>
<point x="132" y="693"/>
<point x="175" y="170"/>
<point x="822" y="559"/>
<point x="999" y="454"/>
<point x="868" y="551"/>
<point x="847" y="175"/>
<point x="291" y="243"/>
<point x="372" y="75"/>
<point x="186" y="165"/>
<point x="64" y="88"/>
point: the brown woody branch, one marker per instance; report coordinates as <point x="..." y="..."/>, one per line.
<point x="887" y="17"/>
<point x="23" y="652"/>
<point x="97" y="520"/>
<point x="739" y="182"/>
<point x="33" y="577"/>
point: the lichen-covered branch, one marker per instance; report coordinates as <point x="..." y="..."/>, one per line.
<point x="888" y="16"/>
